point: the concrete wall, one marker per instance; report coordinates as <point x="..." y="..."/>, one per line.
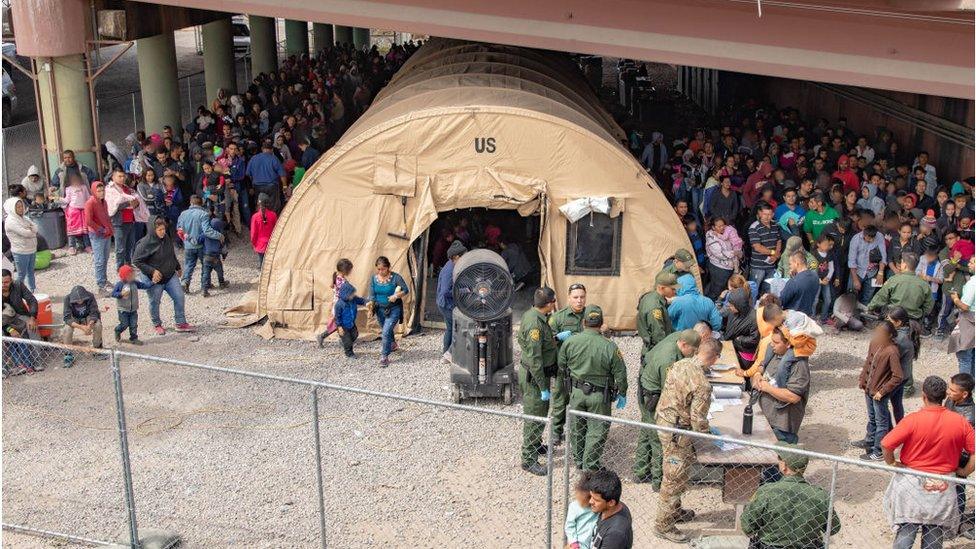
<point x="953" y="161"/>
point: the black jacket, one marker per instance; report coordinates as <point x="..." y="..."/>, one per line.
<point x="21" y="299"/>
<point x="741" y="328"/>
<point x="156" y="254"/>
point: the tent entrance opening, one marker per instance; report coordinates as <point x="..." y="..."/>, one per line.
<point x="514" y="237"/>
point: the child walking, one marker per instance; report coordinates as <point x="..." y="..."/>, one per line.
<point x="214" y="254"/>
<point x="346" y="309"/>
<point x="339" y="276"/>
<point x="580" y="520"/>
<point x="126" y="294"/>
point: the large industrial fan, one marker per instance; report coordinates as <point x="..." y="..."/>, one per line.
<point x="481" y="350"/>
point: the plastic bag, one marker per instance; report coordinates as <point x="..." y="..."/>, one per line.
<point x="579" y="208"/>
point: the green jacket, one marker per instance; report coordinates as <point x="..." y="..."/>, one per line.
<point x="956" y="280"/>
<point x="594" y="358"/>
<point x="905" y="290"/>
<point x="653" y="322"/>
<point x="789" y="513"/>
<point x="565" y="319"/>
<point x="657" y="361"/>
<point x="538" y="346"/>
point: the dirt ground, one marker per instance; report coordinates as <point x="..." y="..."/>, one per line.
<point x="229" y="461"/>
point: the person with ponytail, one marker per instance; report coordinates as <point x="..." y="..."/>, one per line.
<point x="385" y="297"/>
<point x="339" y="275"/>
<point x="880" y="375"/>
<point x="909" y="346"/>
<point x="262" y="225"/>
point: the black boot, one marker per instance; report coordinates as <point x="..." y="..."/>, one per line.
<point x="535" y="468"/>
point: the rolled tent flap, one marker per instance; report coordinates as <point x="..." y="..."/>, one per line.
<point x="470" y="125"/>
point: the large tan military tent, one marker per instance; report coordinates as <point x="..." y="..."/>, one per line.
<point x="469" y="125"/>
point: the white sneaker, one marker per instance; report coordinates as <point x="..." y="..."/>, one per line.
<point x="446" y="357"/>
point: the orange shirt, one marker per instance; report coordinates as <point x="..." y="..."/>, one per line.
<point x="931" y="439"/>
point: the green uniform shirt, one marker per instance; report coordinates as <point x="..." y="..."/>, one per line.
<point x="657" y="362"/>
<point x="653" y="322"/>
<point x="538" y="346"/>
<point x="905" y="290"/>
<point x="670" y="268"/>
<point x="789" y="513"/>
<point x="566" y="319"/>
<point x="594" y="358"/>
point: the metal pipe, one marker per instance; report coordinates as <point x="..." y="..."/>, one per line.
<point x="830" y="503"/>
<point x="552" y="440"/>
<point x="771" y="447"/>
<point x="135" y="127"/>
<point x="92" y="100"/>
<point x="130" y="503"/>
<point x="318" y="464"/>
<point x="40" y="123"/>
<point x="320" y="384"/>
<point x="20" y="529"/>
<point x="568" y="432"/>
<point x="54" y="106"/>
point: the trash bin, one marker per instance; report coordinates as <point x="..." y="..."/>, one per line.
<point x="52" y="225"/>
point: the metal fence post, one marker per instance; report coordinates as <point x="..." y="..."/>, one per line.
<point x="552" y="441"/>
<point x="124" y="447"/>
<point x="318" y="463"/>
<point x="568" y="436"/>
<point x="830" y="503"/>
<point x="189" y="95"/>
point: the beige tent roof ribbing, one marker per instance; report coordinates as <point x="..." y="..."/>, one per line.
<point x="413" y="155"/>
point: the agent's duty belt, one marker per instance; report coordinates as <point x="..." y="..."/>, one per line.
<point x="586" y="386"/>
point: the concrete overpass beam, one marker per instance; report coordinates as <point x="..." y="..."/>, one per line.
<point x="158" y="83"/>
<point x="218" y="59"/>
<point x="296" y="37"/>
<point x="264" y="44"/>
<point x="322" y="36"/>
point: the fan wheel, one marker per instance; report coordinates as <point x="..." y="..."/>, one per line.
<point x="507" y="395"/>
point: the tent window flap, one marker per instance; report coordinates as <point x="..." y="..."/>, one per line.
<point x="395" y="174"/>
<point x="593" y="245"/>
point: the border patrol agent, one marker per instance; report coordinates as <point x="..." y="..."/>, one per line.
<point x="684" y="403"/>
<point x="679" y="345"/>
<point x="538" y="364"/>
<point x="653" y="322"/>
<point x="599" y="377"/>
<point x="789" y="512"/>
<point x="682" y="262"/>
<point x="565" y="322"/>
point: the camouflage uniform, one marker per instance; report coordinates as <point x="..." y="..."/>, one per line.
<point x="564" y="319"/>
<point x="537" y="362"/>
<point x="594" y="359"/>
<point x="684" y="403"/>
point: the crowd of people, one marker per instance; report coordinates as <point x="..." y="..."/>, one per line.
<point x="225" y="175"/>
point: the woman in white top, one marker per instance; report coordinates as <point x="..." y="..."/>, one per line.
<point x="22" y="233"/>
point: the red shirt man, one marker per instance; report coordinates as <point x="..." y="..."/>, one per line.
<point x="847" y="175"/>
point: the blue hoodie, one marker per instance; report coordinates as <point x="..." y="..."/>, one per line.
<point x="347" y="307"/>
<point x="690" y="307"/>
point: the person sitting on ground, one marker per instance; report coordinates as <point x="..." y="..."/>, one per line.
<point x="690" y="307"/>
<point x="880" y="375"/>
<point x="614" y="526"/>
<point x="580" y="519"/>
<point x="801" y="290"/>
<point x="18" y="358"/>
<point x="81" y="313"/>
<point x="905" y="290"/>
<point x="931" y="440"/>
<point x="789" y="512"/>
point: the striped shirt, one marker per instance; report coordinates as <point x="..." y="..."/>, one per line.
<point x="768" y="237"/>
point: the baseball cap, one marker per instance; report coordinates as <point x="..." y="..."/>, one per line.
<point x="593" y="316"/>
<point x="666" y="279"/>
<point x="689" y="337"/>
<point x="796" y="462"/>
<point x="683" y="255"/>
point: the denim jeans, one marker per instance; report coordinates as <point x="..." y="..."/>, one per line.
<point x="211" y="263"/>
<point x="448" y="315"/>
<point x="825" y="296"/>
<point x="128" y="320"/>
<point x="759" y="276"/>
<point x="388" y="320"/>
<point x="78" y="241"/>
<point x="947" y="307"/>
<point x="175" y="291"/>
<point x="243" y="205"/>
<point x="965" y="359"/>
<point x="100" y="257"/>
<point x="932" y="536"/>
<point x="879" y="421"/>
<point x="190" y="258"/>
<point x="784" y="436"/>
<point x="125" y="243"/>
<point x="25" y="269"/>
<point x="897" y="401"/>
<point x="867" y="291"/>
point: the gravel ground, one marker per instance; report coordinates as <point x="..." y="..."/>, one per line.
<point x="227" y="461"/>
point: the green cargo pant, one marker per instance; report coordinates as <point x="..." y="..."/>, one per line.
<point x="647" y="464"/>
<point x="589" y="435"/>
<point x="532" y="405"/>
<point x="560" y="398"/>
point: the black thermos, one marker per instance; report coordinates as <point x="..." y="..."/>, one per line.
<point x="747" y="420"/>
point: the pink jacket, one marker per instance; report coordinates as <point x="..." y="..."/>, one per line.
<point x="261" y="230"/>
<point x="724" y="250"/>
<point x="75" y="196"/>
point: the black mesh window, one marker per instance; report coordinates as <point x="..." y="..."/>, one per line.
<point x="593" y="245"/>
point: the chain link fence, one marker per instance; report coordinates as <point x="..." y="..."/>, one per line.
<point x="724" y="492"/>
<point x="21" y="148"/>
<point x="224" y="457"/>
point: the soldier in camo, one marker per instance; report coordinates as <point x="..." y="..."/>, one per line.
<point x="684" y="403"/>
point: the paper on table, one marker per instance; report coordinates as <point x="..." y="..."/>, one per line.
<point x="715" y="406"/>
<point x="727" y="401"/>
<point x="719" y="391"/>
<point x="722" y="445"/>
